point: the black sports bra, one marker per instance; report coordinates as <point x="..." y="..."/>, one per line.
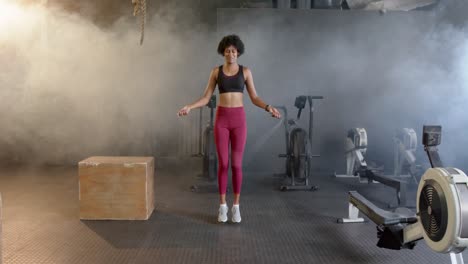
<point x="230" y="84"/>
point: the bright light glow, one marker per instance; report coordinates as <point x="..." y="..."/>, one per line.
<point x="9" y="12"/>
<point x="20" y="22"/>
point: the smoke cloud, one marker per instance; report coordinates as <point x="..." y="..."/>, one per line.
<point x="71" y="88"/>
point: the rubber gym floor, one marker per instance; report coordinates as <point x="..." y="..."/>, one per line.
<point x="41" y="223"/>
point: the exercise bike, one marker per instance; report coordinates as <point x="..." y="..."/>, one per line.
<point x="442" y="209"/>
<point x="299" y="146"/>
<point x="210" y="159"/>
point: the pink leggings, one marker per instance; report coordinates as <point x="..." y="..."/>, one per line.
<point x="230" y="126"/>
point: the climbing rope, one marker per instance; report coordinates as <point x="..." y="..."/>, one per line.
<point x="139" y="8"/>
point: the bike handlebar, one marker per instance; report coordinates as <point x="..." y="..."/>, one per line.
<point x="316" y="97"/>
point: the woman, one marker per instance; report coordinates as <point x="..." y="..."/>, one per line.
<point x="230" y="124"/>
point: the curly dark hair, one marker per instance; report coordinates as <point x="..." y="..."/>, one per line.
<point x="229" y="40"/>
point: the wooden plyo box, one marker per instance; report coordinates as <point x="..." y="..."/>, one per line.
<point x="116" y="188"/>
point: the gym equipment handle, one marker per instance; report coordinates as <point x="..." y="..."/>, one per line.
<point x="316" y="97"/>
<point x="377" y="215"/>
<point x="299" y="114"/>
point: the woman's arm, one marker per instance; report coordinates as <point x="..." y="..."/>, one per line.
<point x="209" y="90"/>
<point x="256" y="100"/>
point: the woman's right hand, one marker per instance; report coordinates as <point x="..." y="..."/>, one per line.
<point x="184" y="111"/>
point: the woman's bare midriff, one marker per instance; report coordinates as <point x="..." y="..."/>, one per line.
<point x="231" y="99"/>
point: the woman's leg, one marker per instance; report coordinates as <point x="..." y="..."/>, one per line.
<point x="238" y="137"/>
<point x="222" y="148"/>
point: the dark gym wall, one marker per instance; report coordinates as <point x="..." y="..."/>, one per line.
<point x="105" y="12"/>
<point x="377" y="71"/>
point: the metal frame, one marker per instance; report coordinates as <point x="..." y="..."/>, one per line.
<point x="289" y="126"/>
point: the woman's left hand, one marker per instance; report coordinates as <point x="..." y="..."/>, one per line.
<point x="274" y="112"/>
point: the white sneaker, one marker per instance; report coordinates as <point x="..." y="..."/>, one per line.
<point x="236" y="216"/>
<point x="222" y="213"/>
